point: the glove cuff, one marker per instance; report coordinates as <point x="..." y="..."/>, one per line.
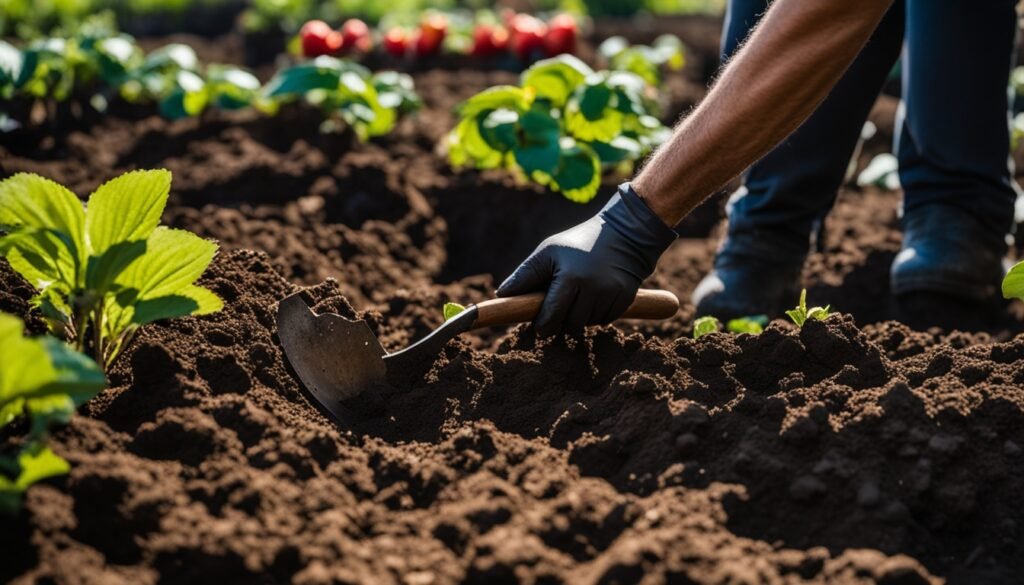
<point x="631" y="216"/>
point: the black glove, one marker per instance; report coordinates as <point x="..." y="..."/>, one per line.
<point x="592" y="271"/>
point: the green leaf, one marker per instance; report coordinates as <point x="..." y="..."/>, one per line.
<point x="1013" y="283"/>
<point x="232" y="88"/>
<point x="26" y="364"/>
<point x="10" y="63"/>
<point x="555" y="79"/>
<point x="126" y="208"/>
<point x="500" y="128"/>
<point x="540" y="150"/>
<point x="174" y="259"/>
<point x="621" y="148"/>
<point x="36" y="369"/>
<point x="594" y="99"/>
<point x="501" y="96"/>
<point x="612" y="46"/>
<point x="120" y="216"/>
<point x="604" y="128"/>
<point x="174" y="55"/>
<point x="321" y="73"/>
<point x="78" y="377"/>
<point x="41" y="257"/>
<point x="36" y="462"/>
<point x="30" y="201"/>
<point x="801" y="314"/>
<point x="452" y="309"/>
<point x="191" y="300"/>
<point x="39" y="463"/>
<point x="752" y="325"/>
<point x="705" y="325"/>
<point x="578" y="175"/>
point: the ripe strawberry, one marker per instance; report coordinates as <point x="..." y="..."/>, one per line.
<point x="527" y="36"/>
<point x="318" y="39"/>
<point x="396" y="41"/>
<point x="489" y="40"/>
<point x="561" y="37"/>
<point x="356" y="35"/>
<point x="432" y="31"/>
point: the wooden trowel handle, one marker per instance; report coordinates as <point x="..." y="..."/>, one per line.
<point x="648" y="304"/>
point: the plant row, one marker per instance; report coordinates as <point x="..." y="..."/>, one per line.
<point x="482" y="34"/>
<point x="102" y="273"/>
<point x="96" y="66"/>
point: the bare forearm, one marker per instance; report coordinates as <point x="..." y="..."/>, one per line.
<point x="788" y="66"/>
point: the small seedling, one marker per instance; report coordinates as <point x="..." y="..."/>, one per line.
<point x="801" y="314"/>
<point x="704" y="325"/>
<point x="44" y="380"/>
<point x="104" y="272"/>
<point x="452" y="309"/>
<point x="1013" y="283"/>
<point x="752" y="325"/>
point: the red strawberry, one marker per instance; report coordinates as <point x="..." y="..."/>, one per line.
<point x="318" y="39"/>
<point x="527" y="36"/>
<point x="396" y="41"/>
<point x="432" y="31"/>
<point x="561" y="37"/>
<point x="489" y="40"/>
<point x="356" y="35"/>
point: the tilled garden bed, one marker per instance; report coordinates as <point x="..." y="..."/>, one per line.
<point x="854" y="450"/>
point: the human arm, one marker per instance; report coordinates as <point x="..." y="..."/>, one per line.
<point x="774" y="82"/>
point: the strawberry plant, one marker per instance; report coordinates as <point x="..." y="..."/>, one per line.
<point x="369" y="103"/>
<point x="105" y="271"/>
<point x="801" y="314"/>
<point x="43" y="380"/>
<point x="667" y="51"/>
<point x="561" y="127"/>
<point x="173" y="77"/>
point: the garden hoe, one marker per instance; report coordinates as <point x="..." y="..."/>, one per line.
<point x="338" y="359"/>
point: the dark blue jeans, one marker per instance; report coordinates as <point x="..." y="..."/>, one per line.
<point x="953" y="145"/>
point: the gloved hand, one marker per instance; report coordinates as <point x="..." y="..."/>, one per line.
<point x="592" y="271"/>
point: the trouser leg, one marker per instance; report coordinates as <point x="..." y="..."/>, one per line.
<point x="791" y="188"/>
<point x="955" y="139"/>
<point x="954" y="148"/>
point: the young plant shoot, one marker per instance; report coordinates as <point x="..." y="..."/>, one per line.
<point x="561" y="127"/>
<point x="704" y="325"/>
<point x="801" y="314"/>
<point x="452" y="309"/>
<point x="752" y="325"/>
<point x="46" y="381"/>
<point x="1013" y="282"/>
<point x="103" y="272"/>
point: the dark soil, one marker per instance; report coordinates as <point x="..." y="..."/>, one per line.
<point x="855" y="450"/>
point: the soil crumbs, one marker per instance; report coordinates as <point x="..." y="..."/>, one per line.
<point x="836" y="453"/>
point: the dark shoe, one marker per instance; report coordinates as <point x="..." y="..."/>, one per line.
<point x="744" y="286"/>
<point x="949" y="252"/>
